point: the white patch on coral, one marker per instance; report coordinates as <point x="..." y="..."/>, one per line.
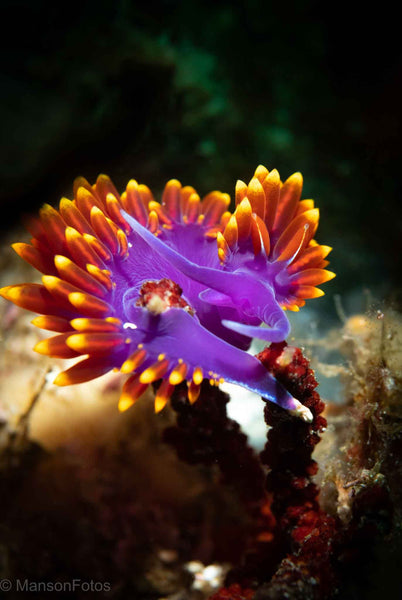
<point x="247" y="409"/>
<point x="286" y="357"/>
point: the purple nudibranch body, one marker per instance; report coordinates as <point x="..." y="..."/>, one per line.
<point x="173" y="291"/>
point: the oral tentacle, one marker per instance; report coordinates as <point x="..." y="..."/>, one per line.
<point x="220" y="281"/>
<point x="276" y="333"/>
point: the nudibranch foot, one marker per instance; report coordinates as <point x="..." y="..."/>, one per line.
<point x="176" y="347"/>
<point x="172" y="291"/>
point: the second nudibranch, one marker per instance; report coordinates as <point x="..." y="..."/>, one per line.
<point x="173" y="291"/>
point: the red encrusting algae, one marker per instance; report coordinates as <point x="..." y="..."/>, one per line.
<point x="305" y="533"/>
<point x="233" y="592"/>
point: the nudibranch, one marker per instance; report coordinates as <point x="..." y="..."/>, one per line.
<point x="176" y="290"/>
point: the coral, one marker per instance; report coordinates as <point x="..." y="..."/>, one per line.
<point x="236" y="271"/>
<point x="307" y="532"/>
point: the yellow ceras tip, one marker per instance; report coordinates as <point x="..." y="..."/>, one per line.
<point x="220" y="239"/>
<point x="95" y="210"/>
<point x="231" y="232"/>
<point x="62" y="379"/>
<point x="240" y="189"/>
<point x="155" y="371"/>
<point x="102" y="177"/>
<point x="135" y="360"/>
<point x="51" y="282"/>
<point x="77" y="342"/>
<point x="297" y="177"/>
<point x="261" y="172"/>
<point x="330" y="275"/>
<point x="198" y="376"/>
<point x="125" y="402"/>
<point x="5" y="292"/>
<point x="160" y="403"/>
<point x="313" y="215"/>
<point x="46" y="209"/>
<point x="62" y="261"/>
<point x="42" y="347"/>
<point x="148" y="376"/>
<point x="178" y="374"/>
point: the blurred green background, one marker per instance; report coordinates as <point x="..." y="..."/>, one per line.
<point x="205" y="91"/>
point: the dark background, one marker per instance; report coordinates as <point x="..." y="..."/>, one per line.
<point x="204" y="92"/>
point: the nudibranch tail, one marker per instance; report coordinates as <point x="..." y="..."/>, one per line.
<point x="170" y="356"/>
<point x="172" y="291"/>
